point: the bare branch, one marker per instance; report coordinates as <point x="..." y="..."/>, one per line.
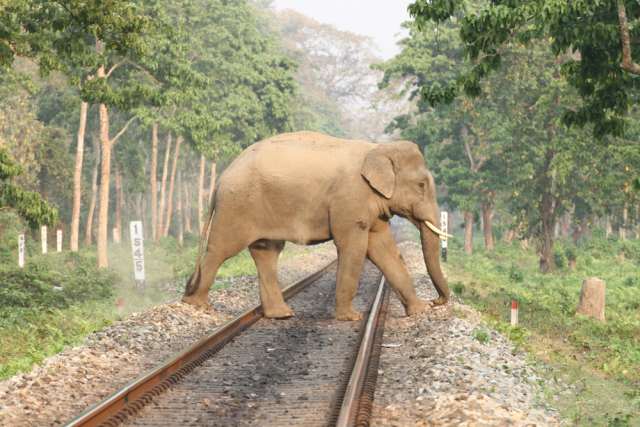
<point x="113" y="68"/>
<point x="467" y="150"/>
<point x="627" y="62"/>
<point x="123" y="130"/>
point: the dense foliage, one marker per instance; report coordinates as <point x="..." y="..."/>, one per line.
<point x="28" y="204"/>
<point x="507" y="152"/>
<point x="594" y="40"/>
<point x="53" y="282"/>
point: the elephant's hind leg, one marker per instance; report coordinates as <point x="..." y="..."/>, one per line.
<point x="265" y="254"/>
<point x="223" y="244"/>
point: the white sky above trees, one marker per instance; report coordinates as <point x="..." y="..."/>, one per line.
<point x="378" y="19"/>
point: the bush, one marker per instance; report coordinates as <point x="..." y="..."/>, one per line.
<point x="515" y="274"/>
<point x="559" y="258"/>
<point x="481" y="335"/>
<point x="54" y="281"/>
<point x="631" y="281"/>
<point x="458" y="288"/>
<point x="631" y="250"/>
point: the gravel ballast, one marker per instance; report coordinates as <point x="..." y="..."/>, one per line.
<point x="67" y="383"/>
<point x="434" y="372"/>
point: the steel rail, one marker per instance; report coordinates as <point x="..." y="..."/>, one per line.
<point x="140" y="392"/>
<point x="356" y="403"/>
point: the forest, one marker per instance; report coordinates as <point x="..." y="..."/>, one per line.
<point x="526" y="111"/>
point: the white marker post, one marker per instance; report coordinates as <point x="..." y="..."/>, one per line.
<point x="21" y="250"/>
<point x="137" y="251"/>
<point x="444" y="226"/>
<point x="59" y="240"/>
<point x="514" y="313"/>
<point x="43" y="238"/>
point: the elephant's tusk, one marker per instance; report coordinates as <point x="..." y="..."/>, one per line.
<point x="436" y="230"/>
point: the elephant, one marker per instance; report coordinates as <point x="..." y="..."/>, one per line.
<point x="309" y="188"/>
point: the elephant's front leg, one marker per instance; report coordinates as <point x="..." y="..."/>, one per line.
<point x="383" y="252"/>
<point x="352" y="251"/>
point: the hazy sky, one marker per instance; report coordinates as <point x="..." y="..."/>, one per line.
<point x="379" y="19"/>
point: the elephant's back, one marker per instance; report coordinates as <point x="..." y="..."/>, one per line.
<point x="309" y="154"/>
<point x="292" y="169"/>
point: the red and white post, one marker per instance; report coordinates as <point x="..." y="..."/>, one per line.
<point x="514" y="313"/>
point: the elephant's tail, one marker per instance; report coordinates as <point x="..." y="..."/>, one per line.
<point x="194" y="280"/>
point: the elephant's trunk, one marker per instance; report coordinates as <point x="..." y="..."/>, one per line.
<point x="431" y="253"/>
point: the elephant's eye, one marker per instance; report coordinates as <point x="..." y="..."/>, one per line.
<point x="421" y="185"/>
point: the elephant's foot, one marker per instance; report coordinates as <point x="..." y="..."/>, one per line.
<point x="280" y="311"/>
<point x="439" y="301"/>
<point x="348" y="314"/>
<point x="417" y="307"/>
<point x="196" y="301"/>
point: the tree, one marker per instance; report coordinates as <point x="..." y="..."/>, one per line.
<point x="594" y="41"/>
<point x="507" y="148"/>
<point x="100" y="46"/>
<point x="461" y="140"/>
<point x="28" y="204"/>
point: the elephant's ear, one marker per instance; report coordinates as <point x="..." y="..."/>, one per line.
<point x="377" y="169"/>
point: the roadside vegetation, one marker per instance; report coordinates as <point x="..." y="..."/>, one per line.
<point x="58" y="299"/>
<point x="180" y="101"/>
<point x="601" y="360"/>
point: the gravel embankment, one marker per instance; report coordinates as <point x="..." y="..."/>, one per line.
<point x="433" y="372"/>
<point x="67" y="383"/>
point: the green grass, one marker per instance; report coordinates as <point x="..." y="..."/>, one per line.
<point x="32" y="335"/>
<point x="601" y="359"/>
<point x="38" y="320"/>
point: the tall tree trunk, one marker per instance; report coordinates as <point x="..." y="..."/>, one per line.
<point x="187" y="208"/>
<point x="565" y="227"/>
<point x="547" y="262"/>
<point x="140" y="209"/>
<point x="608" y="229"/>
<point x="105" y="180"/>
<point x="77" y="179"/>
<point x="117" y="235"/>
<point x="487" y="225"/>
<point x="201" y="192"/>
<point x="212" y="181"/>
<point x="163" y="186"/>
<point x="88" y="234"/>
<point x="142" y="216"/>
<point x="179" y="210"/>
<point x="579" y="230"/>
<point x="468" y="232"/>
<point x="153" y="178"/>
<point x="622" y="231"/>
<point x="174" y="167"/>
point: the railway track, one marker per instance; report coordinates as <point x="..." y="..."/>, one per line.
<point x="308" y="370"/>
